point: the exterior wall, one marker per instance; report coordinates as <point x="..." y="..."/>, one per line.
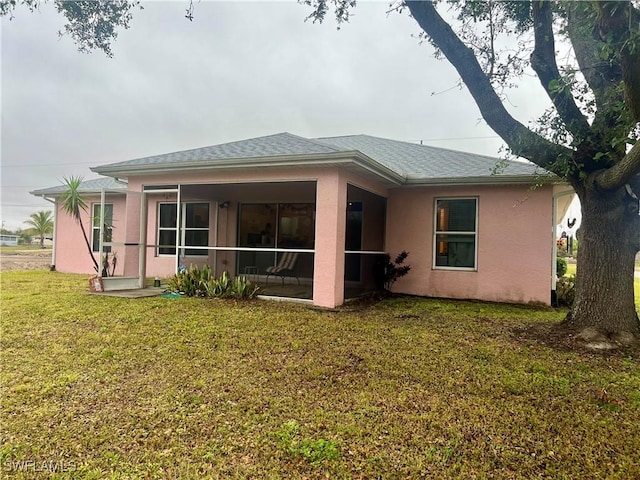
<point x="514" y="243"/>
<point x="72" y="255"/>
<point x="514" y="231"/>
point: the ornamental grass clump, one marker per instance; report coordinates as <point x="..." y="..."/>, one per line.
<point x="201" y="282"/>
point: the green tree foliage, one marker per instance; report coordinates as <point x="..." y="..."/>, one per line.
<point x="73" y="204"/>
<point x="41" y="224"/>
<point x="561" y="266"/>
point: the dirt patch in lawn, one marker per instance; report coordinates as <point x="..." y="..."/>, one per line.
<point x="25" y="260"/>
<point x="559" y="337"/>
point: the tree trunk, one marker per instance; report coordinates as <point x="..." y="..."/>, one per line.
<point x="604" y="311"/>
<point x="86" y="241"/>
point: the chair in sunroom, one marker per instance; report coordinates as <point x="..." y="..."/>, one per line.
<point x="286" y="267"/>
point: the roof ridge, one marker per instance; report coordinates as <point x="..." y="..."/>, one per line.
<point x="312" y="140"/>
<point x="190" y="150"/>
<point x="421" y="145"/>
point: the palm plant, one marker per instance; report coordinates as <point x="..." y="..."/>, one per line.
<point x="41" y="224"/>
<point x="72" y="203"/>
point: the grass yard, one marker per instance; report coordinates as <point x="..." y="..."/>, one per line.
<point x="16" y="249"/>
<point x="101" y="387"/>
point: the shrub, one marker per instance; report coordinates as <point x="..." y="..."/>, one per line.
<point x="243" y="288"/>
<point x="393" y="270"/>
<point x="200" y="282"/>
<point x="561" y="266"/>
<point x="566" y="290"/>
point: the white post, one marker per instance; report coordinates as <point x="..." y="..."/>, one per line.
<point x="142" y="241"/>
<point x="178" y="226"/>
<point x="554" y="263"/>
<point x="54" y="233"/>
<point x="103" y="196"/>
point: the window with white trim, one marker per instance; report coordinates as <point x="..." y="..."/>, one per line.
<point x="95" y="227"/>
<point x="194" y="232"/>
<point x="455" y="239"/>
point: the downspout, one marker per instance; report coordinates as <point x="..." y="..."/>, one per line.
<point x="554" y="263"/>
<point x="52" y="267"/>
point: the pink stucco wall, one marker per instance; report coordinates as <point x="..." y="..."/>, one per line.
<point x="72" y="255"/>
<point x="514" y="231"/>
<point x="331" y="212"/>
<point x="514" y="243"/>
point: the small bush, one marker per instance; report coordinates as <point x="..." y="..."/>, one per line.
<point x="566" y="290"/>
<point x="393" y="270"/>
<point x="243" y="288"/>
<point x="561" y="266"/>
<point x="200" y="282"/>
<point x="192" y="281"/>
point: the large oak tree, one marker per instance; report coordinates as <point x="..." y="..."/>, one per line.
<point x="588" y="138"/>
<point x="587" y="57"/>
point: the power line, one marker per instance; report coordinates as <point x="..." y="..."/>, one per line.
<point x="22" y="204"/>
<point x="453" y="138"/>
<point x="46" y="165"/>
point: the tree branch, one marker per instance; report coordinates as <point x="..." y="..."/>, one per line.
<point x="617" y="25"/>
<point x="598" y="73"/>
<point x="543" y="62"/>
<point x="521" y="140"/>
<point x="622" y="172"/>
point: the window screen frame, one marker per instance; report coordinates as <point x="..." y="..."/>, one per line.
<point x="107" y="235"/>
<point x="185" y="251"/>
<point x="453" y="233"/>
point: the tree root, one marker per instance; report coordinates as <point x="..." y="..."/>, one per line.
<point x="596" y="339"/>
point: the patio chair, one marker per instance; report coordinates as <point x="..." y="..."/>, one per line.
<point x="286" y="267"/>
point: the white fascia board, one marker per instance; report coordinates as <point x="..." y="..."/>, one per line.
<point x="488" y="180"/>
<point x="93" y="191"/>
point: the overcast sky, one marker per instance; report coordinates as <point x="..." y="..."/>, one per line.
<point x="239" y="70"/>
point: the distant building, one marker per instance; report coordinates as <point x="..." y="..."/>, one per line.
<point x="9" y="240"/>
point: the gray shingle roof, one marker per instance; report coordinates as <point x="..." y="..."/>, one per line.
<point x="281" y="144"/>
<point x="409" y="161"/>
<point x="88" y="186"/>
<point x="414" y="161"/>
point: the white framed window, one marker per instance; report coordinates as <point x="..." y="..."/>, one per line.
<point x="455" y="234"/>
<point x="194" y="228"/>
<point x="95" y="226"/>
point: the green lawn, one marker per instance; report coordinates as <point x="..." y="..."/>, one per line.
<point x="14" y="249"/>
<point x="408" y="388"/>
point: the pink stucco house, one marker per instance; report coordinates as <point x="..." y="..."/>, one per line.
<point x="331" y="207"/>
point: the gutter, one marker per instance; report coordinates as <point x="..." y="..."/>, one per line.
<point x="490" y="180"/>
